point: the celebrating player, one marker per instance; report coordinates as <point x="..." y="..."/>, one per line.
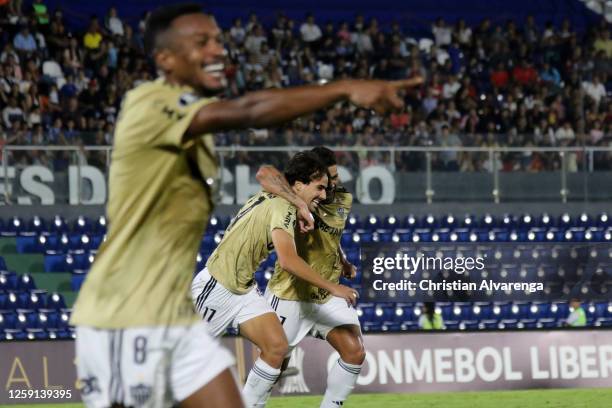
<point x="225" y="291"/>
<point x="306" y="309"/>
<point x="138" y="336"/>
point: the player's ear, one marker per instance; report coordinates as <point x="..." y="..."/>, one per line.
<point x="165" y="59"/>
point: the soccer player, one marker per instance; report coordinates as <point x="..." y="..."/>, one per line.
<point x="225" y="291"/>
<point x="305" y="309"/>
<point x="139" y="340"/>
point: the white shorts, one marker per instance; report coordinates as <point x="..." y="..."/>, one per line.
<point x="302" y="318"/>
<point x="221" y="308"/>
<point x="146" y="366"/>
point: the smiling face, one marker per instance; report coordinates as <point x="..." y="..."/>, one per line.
<point x="192" y="53"/>
<point x="312" y="193"/>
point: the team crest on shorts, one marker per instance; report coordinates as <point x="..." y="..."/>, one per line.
<point x="141" y="393"/>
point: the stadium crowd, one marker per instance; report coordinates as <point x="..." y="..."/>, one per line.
<point x="498" y="83"/>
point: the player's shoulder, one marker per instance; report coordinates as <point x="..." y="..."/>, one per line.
<point x="159" y="92"/>
<point x="279" y="202"/>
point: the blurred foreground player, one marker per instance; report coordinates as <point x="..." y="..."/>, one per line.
<point x="226" y="292"/>
<point x="305" y="309"/>
<point x="138" y="336"/>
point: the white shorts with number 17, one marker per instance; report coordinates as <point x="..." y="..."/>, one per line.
<point x="302" y="318"/>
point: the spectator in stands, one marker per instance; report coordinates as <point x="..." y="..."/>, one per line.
<point x="93" y="36"/>
<point x="24" y="42"/>
<point x="40" y="12"/>
<point x="441" y="32"/>
<point x="113" y="23"/>
<point x="577" y="317"/>
<point x="430" y="319"/>
<point x="310" y="31"/>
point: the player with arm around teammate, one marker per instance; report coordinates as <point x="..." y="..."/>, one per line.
<point x="225" y="291"/>
<point x="306" y="309"/>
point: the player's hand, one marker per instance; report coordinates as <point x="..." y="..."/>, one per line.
<point x="305" y="218"/>
<point x="380" y="95"/>
<point x="348" y="270"/>
<point x="346" y="293"/>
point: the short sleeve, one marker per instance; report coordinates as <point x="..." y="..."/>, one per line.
<point x="159" y="115"/>
<point x="283" y="216"/>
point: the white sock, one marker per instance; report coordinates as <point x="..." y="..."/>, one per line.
<point x="340" y="382"/>
<point x="259" y="383"/>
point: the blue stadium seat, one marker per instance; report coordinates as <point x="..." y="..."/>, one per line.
<point x="451" y="324"/>
<point x="8" y="319"/>
<point x="15" y="226"/>
<point x="82" y="226"/>
<point x="56" y="263"/>
<point x="14" y="334"/>
<point x="8" y="281"/>
<point x="36" y="334"/>
<point x="468" y="325"/>
<point x="55" y="301"/>
<point x="527" y="324"/>
<point x="372" y="222"/>
<point x="36" y="225"/>
<point x="371" y="327"/>
<point x="99" y="226"/>
<point x="391" y="222"/>
<point x="26" y="319"/>
<point x="25" y="282"/>
<point x="508" y="324"/>
<point x="77" y="278"/>
<point x="59" y="225"/>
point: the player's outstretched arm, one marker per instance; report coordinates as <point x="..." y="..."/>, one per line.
<point x="273" y="181"/>
<point x="275" y="106"/>
<point x="291" y="262"/>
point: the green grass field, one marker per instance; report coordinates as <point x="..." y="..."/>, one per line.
<point x="569" y="398"/>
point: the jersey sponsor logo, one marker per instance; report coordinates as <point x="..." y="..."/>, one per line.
<point x="341" y="211"/>
<point x="141" y="393"/>
<point x="319" y="224"/>
<point x="89" y="385"/>
<point x="172" y="114"/>
<point x="289" y="221"/>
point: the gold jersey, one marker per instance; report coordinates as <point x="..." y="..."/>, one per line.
<point x="159" y="204"/>
<point x="319" y="249"/>
<point x="248" y="240"/>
